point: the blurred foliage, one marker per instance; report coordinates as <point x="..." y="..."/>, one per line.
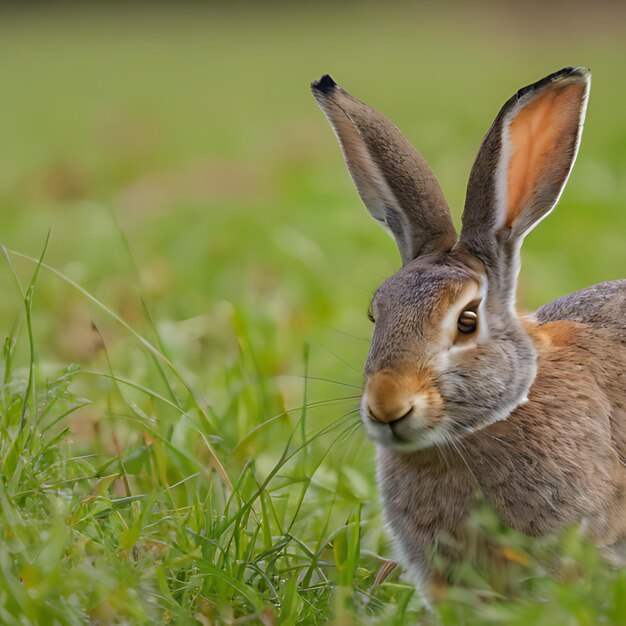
<point x="200" y="464"/>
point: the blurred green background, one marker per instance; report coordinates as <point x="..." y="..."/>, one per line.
<point x="194" y="125"/>
<point x="189" y="182"/>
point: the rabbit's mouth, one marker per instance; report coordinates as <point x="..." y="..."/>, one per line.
<point x="417" y="428"/>
<point x="403" y="409"/>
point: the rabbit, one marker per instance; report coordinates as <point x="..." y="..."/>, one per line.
<point x="530" y="409"/>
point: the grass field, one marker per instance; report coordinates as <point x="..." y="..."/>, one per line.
<point x="187" y="271"/>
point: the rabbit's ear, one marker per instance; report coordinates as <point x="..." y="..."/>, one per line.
<point x="394" y="181"/>
<point x="525" y="159"/>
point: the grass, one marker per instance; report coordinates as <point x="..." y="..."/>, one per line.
<point x="186" y="277"/>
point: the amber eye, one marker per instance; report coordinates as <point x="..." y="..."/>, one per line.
<point x="370" y="314"/>
<point x="468" y="322"/>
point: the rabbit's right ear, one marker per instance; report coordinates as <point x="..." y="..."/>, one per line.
<point x="524" y="162"/>
<point x="392" y="178"/>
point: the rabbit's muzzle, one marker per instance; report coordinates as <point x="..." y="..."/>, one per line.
<point x="389" y="398"/>
<point x="401" y="409"/>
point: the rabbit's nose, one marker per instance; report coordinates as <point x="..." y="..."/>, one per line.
<point x="388" y="398"/>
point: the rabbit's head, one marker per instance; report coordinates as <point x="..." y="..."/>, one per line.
<point x="449" y="355"/>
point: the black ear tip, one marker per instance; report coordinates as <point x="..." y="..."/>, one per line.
<point x="325" y="84"/>
<point x="569" y="73"/>
<point x="579" y="71"/>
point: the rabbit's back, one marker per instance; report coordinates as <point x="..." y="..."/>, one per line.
<point x="602" y="305"/>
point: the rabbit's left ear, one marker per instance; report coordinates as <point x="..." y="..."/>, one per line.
<point x="394" y="181"/>
<point x="525" y="159"/>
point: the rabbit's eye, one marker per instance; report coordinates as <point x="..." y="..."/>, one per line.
<point x="468" y="322"/>
<point x="370" y="314"/>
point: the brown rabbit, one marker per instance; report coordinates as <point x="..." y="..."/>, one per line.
<point x="531" y="409"/>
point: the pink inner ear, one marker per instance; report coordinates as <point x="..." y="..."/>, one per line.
<point x="543" y="137"/>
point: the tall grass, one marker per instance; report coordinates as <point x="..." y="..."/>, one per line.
<point x="143" y="523"/>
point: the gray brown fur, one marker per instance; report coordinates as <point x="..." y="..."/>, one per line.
<point x="530" y="411"/>
<point x="602" y="305"/>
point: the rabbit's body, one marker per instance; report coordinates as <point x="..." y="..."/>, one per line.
<point x="563" y="463"/>
<point x="549" y="464"/>
<point x="463" y="395"/>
